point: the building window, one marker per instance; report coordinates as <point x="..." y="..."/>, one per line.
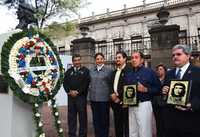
<point x="118" y="43"/>
<point x="101" y="46"/>
<point x="182" y="36"/>
<point x="61" y="48"/>
<point x="136" y="43"/>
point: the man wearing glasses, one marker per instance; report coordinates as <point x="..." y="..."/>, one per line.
<point x="183" y="121"/>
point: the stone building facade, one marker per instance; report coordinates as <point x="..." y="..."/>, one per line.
<point x="136" y="21"/>
<point x="131" y="25"/>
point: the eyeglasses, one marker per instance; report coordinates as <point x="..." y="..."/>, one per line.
<point x="176" y="54"/>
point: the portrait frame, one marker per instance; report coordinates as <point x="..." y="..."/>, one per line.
<point x="179" y="92"/>
<point x="130" y="95"/>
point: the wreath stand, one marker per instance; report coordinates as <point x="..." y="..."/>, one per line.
<point x="20" y="115"/>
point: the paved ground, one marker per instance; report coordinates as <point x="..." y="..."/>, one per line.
<point x="48" y="122"/>
<point x="50" y="131"/>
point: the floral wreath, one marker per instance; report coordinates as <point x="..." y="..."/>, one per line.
<point x="32" y="67"/>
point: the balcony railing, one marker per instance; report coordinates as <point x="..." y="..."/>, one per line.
<point x="135" y="10"/>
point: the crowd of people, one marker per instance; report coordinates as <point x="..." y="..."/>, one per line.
<point x="104" y="88"/>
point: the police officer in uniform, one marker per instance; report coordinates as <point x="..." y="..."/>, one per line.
<point x="76" y="83"/>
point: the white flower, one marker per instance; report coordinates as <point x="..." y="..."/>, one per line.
<point x="36" y="105"/>
<point x="36" y="36"/>
<point x="50" y="77"/>
<point x="48" y="85"/>
<point x="56" y="113"/>
<point x="54" y="106"/>
<point x="58" y="121"/>
<point x="60" y="130"/>
<point x="34" y="92"/>
<point x="42" y="135"/>
<point x="40" y="124"/>
<point x="37" y="114"/>
<point x="45" y="79"/>
<point x="15" y="76"/>
<point x="26" y="89"/>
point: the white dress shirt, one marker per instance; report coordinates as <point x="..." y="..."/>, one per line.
<point x="183" y="69"/>
<point x="116" y="80"/>
<point x="99" y="67"/>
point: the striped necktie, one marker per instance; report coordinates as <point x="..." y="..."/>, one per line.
<point x="178" y="74"/>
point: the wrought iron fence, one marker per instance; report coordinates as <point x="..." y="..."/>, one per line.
<point x="109" y="49"/>
<point x="193" y="42"/>
<point x="142" y="44"/>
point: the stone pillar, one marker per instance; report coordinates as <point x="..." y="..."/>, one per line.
<point x="86" y="48"/>
<point x="163" y="38"/>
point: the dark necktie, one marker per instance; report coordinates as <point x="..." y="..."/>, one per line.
<point x="75" y="71"/>
<point x="178" y="74"/>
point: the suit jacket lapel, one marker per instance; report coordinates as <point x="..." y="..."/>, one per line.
<point x="187" y="72"/>
<point x="174" y="73"/>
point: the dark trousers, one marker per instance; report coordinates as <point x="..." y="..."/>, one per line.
<point x="181" y="133"/>
<point x="181" y="123"/>
<point x="159" y="117"/>
<point x="100" y="112"/>
<point x="77" y="107"/>
<point x="121" y="120"/>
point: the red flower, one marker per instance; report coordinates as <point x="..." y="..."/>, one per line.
<point x="37" y="47"/>
<point x="37" y="39"/>
<point x="23" y="73"/>
<point x="33" y="82"/>
<point x="21" y="56"/>
<point x="31" y="43"/>
<point x="43" y="83"/>
<point x="46" y="89"/>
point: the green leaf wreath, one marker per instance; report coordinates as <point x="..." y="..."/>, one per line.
<point x="33" y="69"/>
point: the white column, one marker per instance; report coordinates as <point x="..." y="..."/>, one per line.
<point x="16" y="117"/>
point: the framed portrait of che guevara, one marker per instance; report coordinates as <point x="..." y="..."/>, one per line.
<point x="179" y="92"/>
<point x="130" y="95"/>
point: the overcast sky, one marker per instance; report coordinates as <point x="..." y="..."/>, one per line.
<point x="9" y="21"/>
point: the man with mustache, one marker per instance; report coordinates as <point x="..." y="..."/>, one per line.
<point x="183" y="121"/>
<point x="120" y="112"/>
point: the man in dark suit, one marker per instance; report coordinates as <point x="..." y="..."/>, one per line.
<point x="183" y="121"/>
<point x="120" y="112"/>
<point x="76" y="84"/>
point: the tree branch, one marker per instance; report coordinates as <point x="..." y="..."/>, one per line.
<point x="36" y="7"/>
<point x="45" y="12"/>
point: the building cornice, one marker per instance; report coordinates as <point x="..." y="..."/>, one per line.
<point x="136" y="11"/>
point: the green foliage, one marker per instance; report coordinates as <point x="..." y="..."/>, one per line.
<point x="45" y="9"/>
<point x="57" y="122"/>
<point x="37" y="119"/>
<point x="57" y="31"/>
<point x="72" y="5"/>
<point x="38" y="122"/>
